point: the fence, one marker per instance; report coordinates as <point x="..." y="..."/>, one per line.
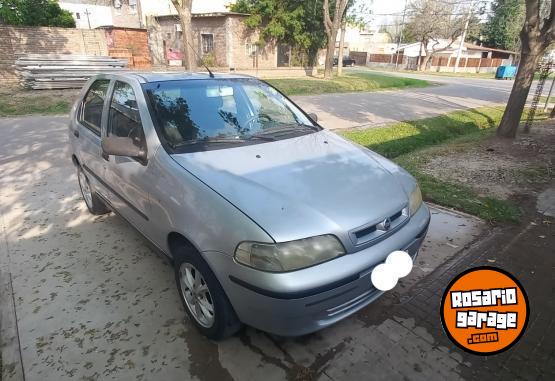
<point x="386" y="58"/>
<point x="467" y="62"/>
<point x="359" y="57"/>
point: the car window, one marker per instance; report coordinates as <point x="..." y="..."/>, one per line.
<point x="124" y="119"/>
<point x="207" y="114"/>
<point x="93" y="103"/>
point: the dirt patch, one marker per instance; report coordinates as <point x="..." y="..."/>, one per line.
<point x="499" y="167"/>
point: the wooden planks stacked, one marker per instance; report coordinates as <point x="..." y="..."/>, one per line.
<point x="53" y="71"/>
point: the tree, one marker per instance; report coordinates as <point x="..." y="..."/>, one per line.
<point x="394" y="28"/>
<point x="35" y="13"/>
<point x="503" y="25"/>
<point x="356" y="15"/>
<point x="431" y="21"/>
<point x="183" y="8"/>
<point x="297" y="23"/>
<point x="332" y="26"/>
<point x="536" y="35"/>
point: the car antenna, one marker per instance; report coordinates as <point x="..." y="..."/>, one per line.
<point x="200" y="59"/>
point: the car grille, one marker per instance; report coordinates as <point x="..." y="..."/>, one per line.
<point x="376" y="231"/>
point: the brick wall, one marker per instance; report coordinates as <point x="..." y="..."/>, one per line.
<point x="128" y="43"/>
<point x="240" y="37"/>
<point x="216" y="26"/>
<point x="16" y="41"/>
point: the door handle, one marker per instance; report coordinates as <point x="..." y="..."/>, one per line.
<point x="76" y="133"/>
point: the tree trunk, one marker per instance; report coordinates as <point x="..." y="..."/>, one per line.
<point x="419" y="61"/>
<point x="328" y="68"/>
<point x="341" y="47"/>
<point x="332" y="26"/>
<point x="521" y="87"/>
<point x="424" y="62"/>
<point x="189" y="55"/>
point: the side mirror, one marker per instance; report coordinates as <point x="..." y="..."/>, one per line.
<point x="313" y="116"/>
<point x="121" y="146"/>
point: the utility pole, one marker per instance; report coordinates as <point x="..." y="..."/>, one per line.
<point x="87" y="13"/>
<point x="463" y="37"/>
<point x="400" y="35"/>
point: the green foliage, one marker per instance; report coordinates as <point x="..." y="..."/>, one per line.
<point x="35" y="13"/>
<point x="504" y="24"/>
<point x="298" y="23"/>
<point x="403" y="137"/>
<point x="209" y="60"/>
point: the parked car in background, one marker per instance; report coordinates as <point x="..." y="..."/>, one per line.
<point x="347" y="61"/>
<point x="271" y="221"/>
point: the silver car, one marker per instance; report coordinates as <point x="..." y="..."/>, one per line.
<point x="271" y="221"/>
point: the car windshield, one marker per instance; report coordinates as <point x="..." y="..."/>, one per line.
<point x="197" y="115"/>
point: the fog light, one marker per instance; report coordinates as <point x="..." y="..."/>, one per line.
<point x="383" y="277"/>
<point x="401" y="263"/>
<point x="397" y="265"/>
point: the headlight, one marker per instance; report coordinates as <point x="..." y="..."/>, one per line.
<point x="287" y="256"/>
<point x="415" y="200"/>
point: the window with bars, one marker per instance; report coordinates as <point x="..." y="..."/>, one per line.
<point x="207" y="43"/>
<point x="251" y="49"/>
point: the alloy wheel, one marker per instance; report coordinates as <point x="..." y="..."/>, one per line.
<point x="196" y="294"/>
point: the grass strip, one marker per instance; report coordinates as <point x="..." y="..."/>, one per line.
<point x="407" y="142"/>
<point x="355" y="82"/>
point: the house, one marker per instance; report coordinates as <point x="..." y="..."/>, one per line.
<point x="221" y="38"/>
<point x="90" y="14"/>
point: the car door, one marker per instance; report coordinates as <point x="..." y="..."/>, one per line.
<point x="126" y="176"/>
<point x="87" y="131"/>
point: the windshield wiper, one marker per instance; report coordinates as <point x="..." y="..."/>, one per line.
<point x="262" y="137"/>
<point x="208" y="141"/>
<point x="285" y="129"/>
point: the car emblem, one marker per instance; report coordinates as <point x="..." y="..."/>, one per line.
<point x="385" y="224"/>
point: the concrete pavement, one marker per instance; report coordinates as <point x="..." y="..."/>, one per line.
<point x="92" y="301"/>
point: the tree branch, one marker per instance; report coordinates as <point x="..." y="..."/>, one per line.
<point x="327" y="21"/>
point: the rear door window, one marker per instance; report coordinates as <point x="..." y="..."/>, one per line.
<point x="91" y="116"/>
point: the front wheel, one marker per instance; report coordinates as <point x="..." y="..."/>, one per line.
<point x="203" y="297"/>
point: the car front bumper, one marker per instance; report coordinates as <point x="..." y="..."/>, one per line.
<point x="304" y="301"/>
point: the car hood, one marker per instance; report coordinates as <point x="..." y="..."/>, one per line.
<point x="304" y="186"/>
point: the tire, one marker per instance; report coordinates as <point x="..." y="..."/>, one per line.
<point x="93" y="202"/>
<point x="224" y="321"/>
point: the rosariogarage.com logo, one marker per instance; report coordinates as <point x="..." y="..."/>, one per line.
<point x="484" y="310"/>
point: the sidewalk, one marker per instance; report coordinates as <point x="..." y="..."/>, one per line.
<point x="526" y="251"/>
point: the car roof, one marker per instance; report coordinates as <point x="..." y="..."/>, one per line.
<point x="153" y="76"/>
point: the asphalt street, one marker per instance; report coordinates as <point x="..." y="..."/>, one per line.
<point x="352" y="110"/>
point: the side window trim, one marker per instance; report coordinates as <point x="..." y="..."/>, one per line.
<point x="106" y="111"/>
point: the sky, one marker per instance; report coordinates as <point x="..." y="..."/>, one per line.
<point x="380" y="7"/>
